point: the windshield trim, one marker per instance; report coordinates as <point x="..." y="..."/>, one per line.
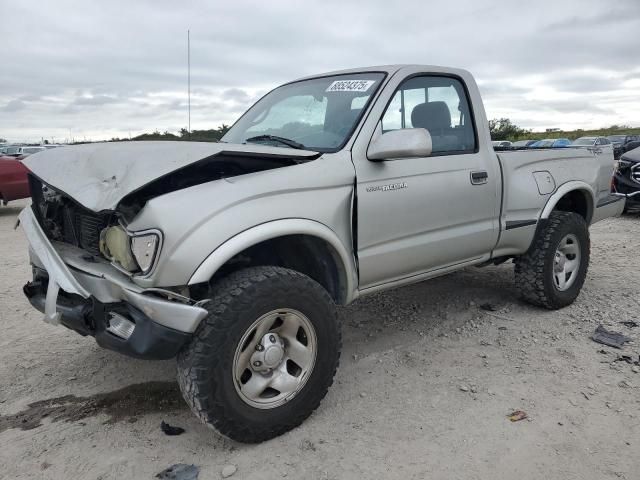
<point x="347" y="137"/>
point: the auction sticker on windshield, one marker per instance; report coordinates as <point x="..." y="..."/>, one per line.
<point x="350" y="85"/>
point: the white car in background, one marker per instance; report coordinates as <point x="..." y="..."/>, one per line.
<point x="593" y="143"/>
<point x="22" y="151"/>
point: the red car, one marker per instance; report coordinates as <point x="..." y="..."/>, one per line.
<point x="13" y="180"/>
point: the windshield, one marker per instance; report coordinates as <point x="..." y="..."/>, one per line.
<point x="616" y="138"/>
<point x="317" y="114"/>
<point x="584" y="141"/>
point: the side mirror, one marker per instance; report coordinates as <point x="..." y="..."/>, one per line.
<point x="404" y="143"/>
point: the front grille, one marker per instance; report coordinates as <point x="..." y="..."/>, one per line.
<point x="635" y="173"/>
<point x="90" y="228"/>
<point x="83" y="229"/>
<point x="64" y="220"/>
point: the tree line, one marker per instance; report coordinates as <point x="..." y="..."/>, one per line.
<point x="211" y="135"/>
<point x="505" y="129"/>
<point x="500" y="128"/>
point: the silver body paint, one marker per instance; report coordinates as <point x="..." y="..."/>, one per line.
<point x="417" y="217"/>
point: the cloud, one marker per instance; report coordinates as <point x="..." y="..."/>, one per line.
<point x="96" y="69"/>
<point x="14" y="106"/>
<point x="95" y="100"/>
<point x="626" y="12"/>
<point x="572" y="106"/>
<point x="30" y="98"/>
<point x="236" y="94"/>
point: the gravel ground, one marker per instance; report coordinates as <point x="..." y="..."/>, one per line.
<point x="426" y="382"/>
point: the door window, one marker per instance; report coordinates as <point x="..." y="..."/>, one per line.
<point x="439" y="104"/>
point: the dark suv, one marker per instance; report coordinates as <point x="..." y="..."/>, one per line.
<point x="621" y="143"/>
<point x="626" y="178"/>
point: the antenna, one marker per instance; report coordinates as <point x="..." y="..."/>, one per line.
<point x="189" y="82"/>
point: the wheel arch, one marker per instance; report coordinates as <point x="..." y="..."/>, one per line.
<point x="574" y="196"/>
<point x="303" y="245"/>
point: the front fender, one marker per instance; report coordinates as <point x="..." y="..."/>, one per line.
<point x="275" y="229"/>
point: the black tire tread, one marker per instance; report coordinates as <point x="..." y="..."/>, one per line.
<point x="530" y="273"/>
<point x="200" y="394"/>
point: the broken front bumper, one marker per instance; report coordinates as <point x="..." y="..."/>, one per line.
<point x="86" y="293"/>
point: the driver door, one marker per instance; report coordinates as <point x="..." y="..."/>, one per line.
<point x="420" y="215"/>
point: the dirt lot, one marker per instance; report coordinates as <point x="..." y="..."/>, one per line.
<point x="425" y="385"/>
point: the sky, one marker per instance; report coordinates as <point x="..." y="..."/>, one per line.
<point x="90" y="70"/>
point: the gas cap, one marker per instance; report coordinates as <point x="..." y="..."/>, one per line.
<point x="544" y="180"/>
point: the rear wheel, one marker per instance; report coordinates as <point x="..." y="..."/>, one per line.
<point x="552" y="272"/>
<point x="264" y="357"/>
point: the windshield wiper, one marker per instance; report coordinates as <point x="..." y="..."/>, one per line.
<point x="275" y="138"/>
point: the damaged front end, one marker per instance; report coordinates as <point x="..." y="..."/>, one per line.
<point x="89" y="296"/>
<point x="94" y="274"/>
<point x="98" y="234"/>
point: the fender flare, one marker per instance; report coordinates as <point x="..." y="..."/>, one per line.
<point x="565" y="188"/>
<point x="275" y="229"/>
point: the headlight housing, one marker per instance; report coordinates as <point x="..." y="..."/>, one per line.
<point x="133" y="252"/>
<point x="115" y="246"/>
<point x="144" y="249"/>
<point x="623" y="163"/>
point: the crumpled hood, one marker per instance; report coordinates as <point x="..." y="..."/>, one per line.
<point x="99" y="175"/>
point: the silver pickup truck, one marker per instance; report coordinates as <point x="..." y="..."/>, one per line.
<point x="232" y="256"/>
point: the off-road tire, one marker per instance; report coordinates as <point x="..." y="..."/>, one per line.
<point x="534" y="269"/>
<point x="205" y="365"/>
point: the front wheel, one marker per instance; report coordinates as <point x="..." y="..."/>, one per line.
<point x="553" y="270"/>
<point x="263" y="359"/>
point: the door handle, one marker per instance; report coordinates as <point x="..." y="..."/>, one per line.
<point x="479" y="178"/>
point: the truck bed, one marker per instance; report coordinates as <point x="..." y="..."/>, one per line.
<point x="530" y="178"/>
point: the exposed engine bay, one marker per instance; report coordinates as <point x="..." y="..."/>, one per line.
<point x="64" y="220"/>
<point x="105" y="233"/>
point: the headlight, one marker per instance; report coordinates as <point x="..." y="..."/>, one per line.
<point x="130" y="252"/>
<point x="114" y="245"/>
<point x="144" y="249"/>
<point x="622" y="163"/>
